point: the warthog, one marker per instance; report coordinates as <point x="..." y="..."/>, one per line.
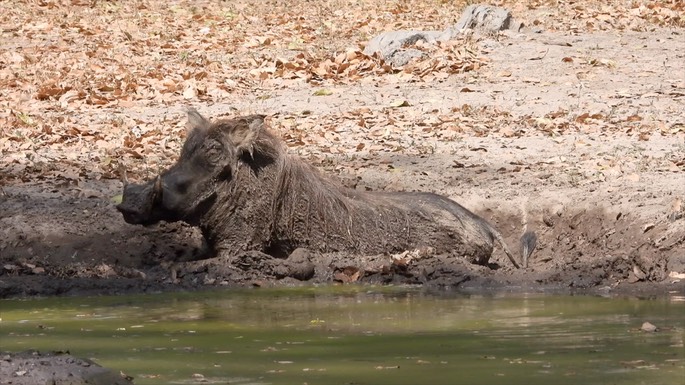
<point x="235" y="180"/>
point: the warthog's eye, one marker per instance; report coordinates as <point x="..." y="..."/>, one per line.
<point x="213" y="151"/>
<point x="183" y="186"/>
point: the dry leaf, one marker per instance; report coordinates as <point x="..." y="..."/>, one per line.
<point x="399" y="103"/>
<point x="322" y="92"/>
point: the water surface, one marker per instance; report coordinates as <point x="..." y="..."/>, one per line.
<point x="359" y="335"/>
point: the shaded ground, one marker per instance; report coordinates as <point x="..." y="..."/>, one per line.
<point x="577" y="134"/>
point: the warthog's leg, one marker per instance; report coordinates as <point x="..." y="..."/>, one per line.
<point x="298" y="265"/>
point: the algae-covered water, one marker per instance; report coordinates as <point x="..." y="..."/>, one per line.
<point x="359" y="335"/>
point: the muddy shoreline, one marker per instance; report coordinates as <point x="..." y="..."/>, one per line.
<point x="70" y="241"/>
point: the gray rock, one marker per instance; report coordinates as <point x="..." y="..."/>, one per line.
<point x="485" y="18"/>
<point x="649" y="328"/>
<point x="395" y="47"/>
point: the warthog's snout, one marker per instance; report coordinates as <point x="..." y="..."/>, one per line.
<point x="139" y="201"/>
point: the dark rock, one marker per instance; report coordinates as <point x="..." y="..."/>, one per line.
<point x="485" y="18"/>
<point x="393" y="46"/>
<point x="36" y="368"/>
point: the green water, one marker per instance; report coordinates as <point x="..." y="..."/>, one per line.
<point x="354" y="335"/>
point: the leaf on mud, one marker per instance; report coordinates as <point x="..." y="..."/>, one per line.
<point x="676" y="275"/>
<point x="541" y="55"/>
<point x="647" y="227"/>
<point x="10" y="267"/>
<point x="50" y="91"/>
<point x="399" y="103"/>
<point x="676" y="211"/>
<point x="605" y="62"/>
<point x="634" y="363"/>
<point x="189" y="92"/>
<point x="633" y="177"/>
<point x="25" y="118"/>
<point x="507" y="131"/>
<point x="639" y="274"/>
<point x="323" y="92"/>
<point x="582" y="117"/>
<point x="68" y="97"/>
<point x="347" y="275"/>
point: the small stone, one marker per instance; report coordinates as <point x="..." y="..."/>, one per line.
<point x="10" y="267"/>
<point x="639" y="274"/>
<point x="300" y="266"/>
<point x="648" y="327"/>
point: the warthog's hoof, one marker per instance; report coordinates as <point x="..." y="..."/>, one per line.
<point x="298" y="266"/>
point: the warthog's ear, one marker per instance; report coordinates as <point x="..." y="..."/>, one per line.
<point x="196" y="121"/>
<point x="245" y="132"/>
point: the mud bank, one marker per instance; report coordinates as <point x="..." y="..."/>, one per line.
<point x="69" y="240"/>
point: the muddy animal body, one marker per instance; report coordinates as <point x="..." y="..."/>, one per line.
<point x="235" y="180"/>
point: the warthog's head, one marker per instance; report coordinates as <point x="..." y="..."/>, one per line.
<point x="139" y="201"/>
<point x="210" y="157"/>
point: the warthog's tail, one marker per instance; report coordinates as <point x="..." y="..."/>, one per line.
<point x="528" y="242"/>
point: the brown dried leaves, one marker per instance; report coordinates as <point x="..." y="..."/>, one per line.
<point x="85" y="86"/>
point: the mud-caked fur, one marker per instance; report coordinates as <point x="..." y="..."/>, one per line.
<point x="235" y="180"/>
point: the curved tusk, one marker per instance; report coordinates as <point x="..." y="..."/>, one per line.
<point x="122" y="175"/>
<point x="157" y="190"/>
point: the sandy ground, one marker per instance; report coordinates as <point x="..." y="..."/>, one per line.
<point x="580" y="137"/>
